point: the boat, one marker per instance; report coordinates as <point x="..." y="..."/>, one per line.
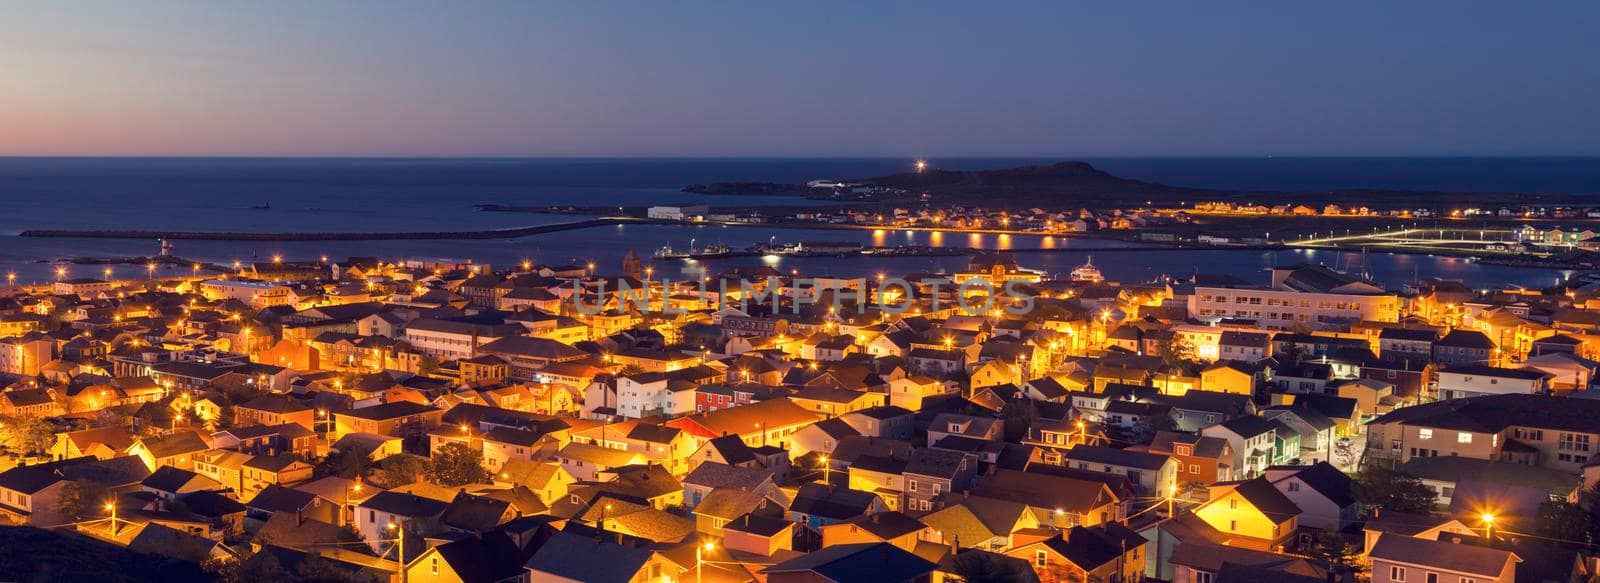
<point x="1087" y="273"/>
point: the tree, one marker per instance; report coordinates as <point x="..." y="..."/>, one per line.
<point x="400" y="469"/>
<point x="1019" y="415"/>
<point x="347" y="463"/>
<point x="262" y="566"/>
<point x="25" y="434"/>
<point x="427" y="365"/>
<point x="110" y="417"/>
<point x="455" y="464"/>
<point x="1178" y="352"/>
<point x="1567" y="521"/>
<point x="1381" y="487"/>
<point x="83" y="498"/>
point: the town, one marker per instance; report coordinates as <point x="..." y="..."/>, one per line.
<point x="368" y="420"/>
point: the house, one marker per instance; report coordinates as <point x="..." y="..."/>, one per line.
<point x="931" y="472"/>
<point x="1252" y="440"/>
<point x="31" y="494"/>
<point x="1541" y="430"/>
<point x="889" y="421"/>
<point x="1401" y="559"/>
<point x="979" y="522"/>
<point x="274" y="410"/>
<point x="1152" y="474"/>
<point x="1201" y="460"/>
<point x="1109" y="552"/>
<point x="851" y="563"/>
<point x="177" y="449"/>
<point x="758" y="534"/>
<point x="384" y="419"/>
<point x="1462" y="346"/>
<point x="1253" y="513"/>
<point x="1304" y="377"/>
<point x="170" y="483"/>
<point x="375" y="515"/>
<point x="818" y="505"/>
<point x="1234" y="377"/>
<point x="266" y="470"/>
<point x="490" y="558"/>
<point x="1056" y="500"/>
<point x="968" y="426"/>
<point x="890" y="527"/>
<point x="575" y="557"/>
<point x="100" y="442"/>
<point x="1244" y="346"/>
<point x="1324" y="494"/>
<point x="711" y="476"/>
<point x="1472" y="380"/>
<point x="1198" y="561"/>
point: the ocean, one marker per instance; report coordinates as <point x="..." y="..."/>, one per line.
<point x="387" y="194"/>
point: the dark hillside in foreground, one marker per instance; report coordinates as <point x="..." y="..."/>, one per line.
<point x="35" y="555"/>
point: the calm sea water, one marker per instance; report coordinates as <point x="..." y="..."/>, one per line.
<point x="438" y="194"/>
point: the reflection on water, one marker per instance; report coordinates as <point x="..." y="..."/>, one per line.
<point x="605" y="247"/>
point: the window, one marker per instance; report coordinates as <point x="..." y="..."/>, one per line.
<point x="1040" y="558"/>
<point x="1463" y="437"/>
<point x="1233" y="504"/>
<point x="1397" y="573"/>
<point x="1573" y="442"/>
<point x="1194" y="468"/>
<point x="1425" y="433"/>
<point x="1433" y="578"/>
<point x="435" y="565"/>
<point x="1233" y="525"/>
<point x="1294" y="486"/>
<point x="1202" y="577"/>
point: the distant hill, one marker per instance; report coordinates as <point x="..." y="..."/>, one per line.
<point x="1026" y="183"/>
<point x="1081" y="184"/>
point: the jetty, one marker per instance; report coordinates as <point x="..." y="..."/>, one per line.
<point x="509" y="233"/>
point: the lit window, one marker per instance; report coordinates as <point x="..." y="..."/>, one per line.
<point x="1425" y="433"/>
<point x="1463" y="437"/>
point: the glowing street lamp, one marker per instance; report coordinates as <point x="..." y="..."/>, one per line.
<point x="708" y="547"/>
<point x="1488" y="526"/>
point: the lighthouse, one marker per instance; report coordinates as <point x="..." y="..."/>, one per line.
<point x="166" y="248"/>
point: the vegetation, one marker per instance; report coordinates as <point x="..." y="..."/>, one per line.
<point x="400" y="469"/>
<point x="349" y="463"/>
<point x="1381" y="487"/>
<point x="1019" y="415"/>
<point x="83" y="498"/>
<point x="455" y="464"/>
<point x="25" y="434"/>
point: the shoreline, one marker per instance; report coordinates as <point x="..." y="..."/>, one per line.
<point x="1136" y="244"/>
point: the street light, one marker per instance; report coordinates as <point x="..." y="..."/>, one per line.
<point x="1488" y="526"/>
<point x="401" y="547"/>
<point x="698" y="558"/>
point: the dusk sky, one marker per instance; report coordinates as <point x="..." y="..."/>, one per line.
<point x="870" y="78"/>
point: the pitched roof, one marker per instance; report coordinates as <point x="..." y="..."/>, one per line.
<point x="1117" y="457"/>
<point x="581" y="558"/>
<point x="881" y="562"/>
<point x="1441" y="555"/>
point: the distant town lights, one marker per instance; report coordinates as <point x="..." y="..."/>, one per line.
<point x="922" y="165"/>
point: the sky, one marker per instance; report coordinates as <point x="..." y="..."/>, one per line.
<point x="815" y="78"/>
